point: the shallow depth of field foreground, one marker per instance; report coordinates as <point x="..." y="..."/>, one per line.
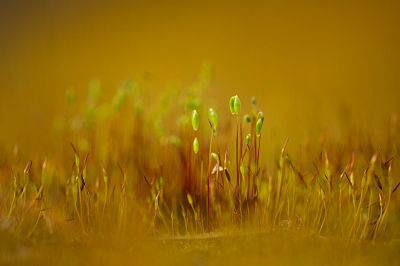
<point x="179" y="182"/>
<point x="154" y="134"/>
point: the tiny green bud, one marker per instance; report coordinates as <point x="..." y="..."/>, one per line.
<point x="247" y="118"/>
<point x="190" y="199"/>
<point x="237" y="105"/>
<point x="232" y="104"/>
<point x="213" y="117"/>
<point x="195" y="120"/>
<point x="248" y="137"/>
<point x="261" y="115"/>
<point x="215" y="156"/>
<point x="258" y="127"/>
<point x="104" y="173"/>
<point x="254" y="101"/>
<point x="195" y="145"/>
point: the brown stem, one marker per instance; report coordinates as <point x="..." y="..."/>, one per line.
<point x="208" y="203"/>
<point x="240" y="152"/>
<point x="255" y="160"/>
<point x="258" y="156"/>
<point x="237" y="158"/>
<point x="188" y="186"/>
<point x="250" y="156"/>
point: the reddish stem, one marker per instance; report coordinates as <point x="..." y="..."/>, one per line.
<point x="237" y="159"/>
<point x="188" y="186"/>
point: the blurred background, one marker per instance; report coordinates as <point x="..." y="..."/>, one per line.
<point x="312" y="65"/>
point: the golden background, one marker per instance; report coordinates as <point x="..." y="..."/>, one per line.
<point x="311" y="64"/>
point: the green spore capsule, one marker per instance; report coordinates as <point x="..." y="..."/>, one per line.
<point x="261" y="115"/>
<point x="215" y="156"/>
<point x="232" y="104"/>
<point x="253" y="101"/>
<point x="237" y="105"/>
<point x="195" y="145"/>
<point x="213" y="117"/>
<point x="247" y="118"/>
<point x="248" y="137"/>
<point x="189" y="199"/>
<point x="195" y="120"/>
<point x="258" y="127"/>
<point x="105" y="178"/>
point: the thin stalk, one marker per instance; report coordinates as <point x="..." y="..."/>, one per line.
<point x="188" y="185"/>
<point x="104" y="206"/>
<point x="208" y="183"/>
<point x="12" y="206"/>
<point x="237" y="158"/>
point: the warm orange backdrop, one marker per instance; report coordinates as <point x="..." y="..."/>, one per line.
<point x="303" y="59"/>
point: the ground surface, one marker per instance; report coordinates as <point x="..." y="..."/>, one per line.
<point x="278" y="248"/>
